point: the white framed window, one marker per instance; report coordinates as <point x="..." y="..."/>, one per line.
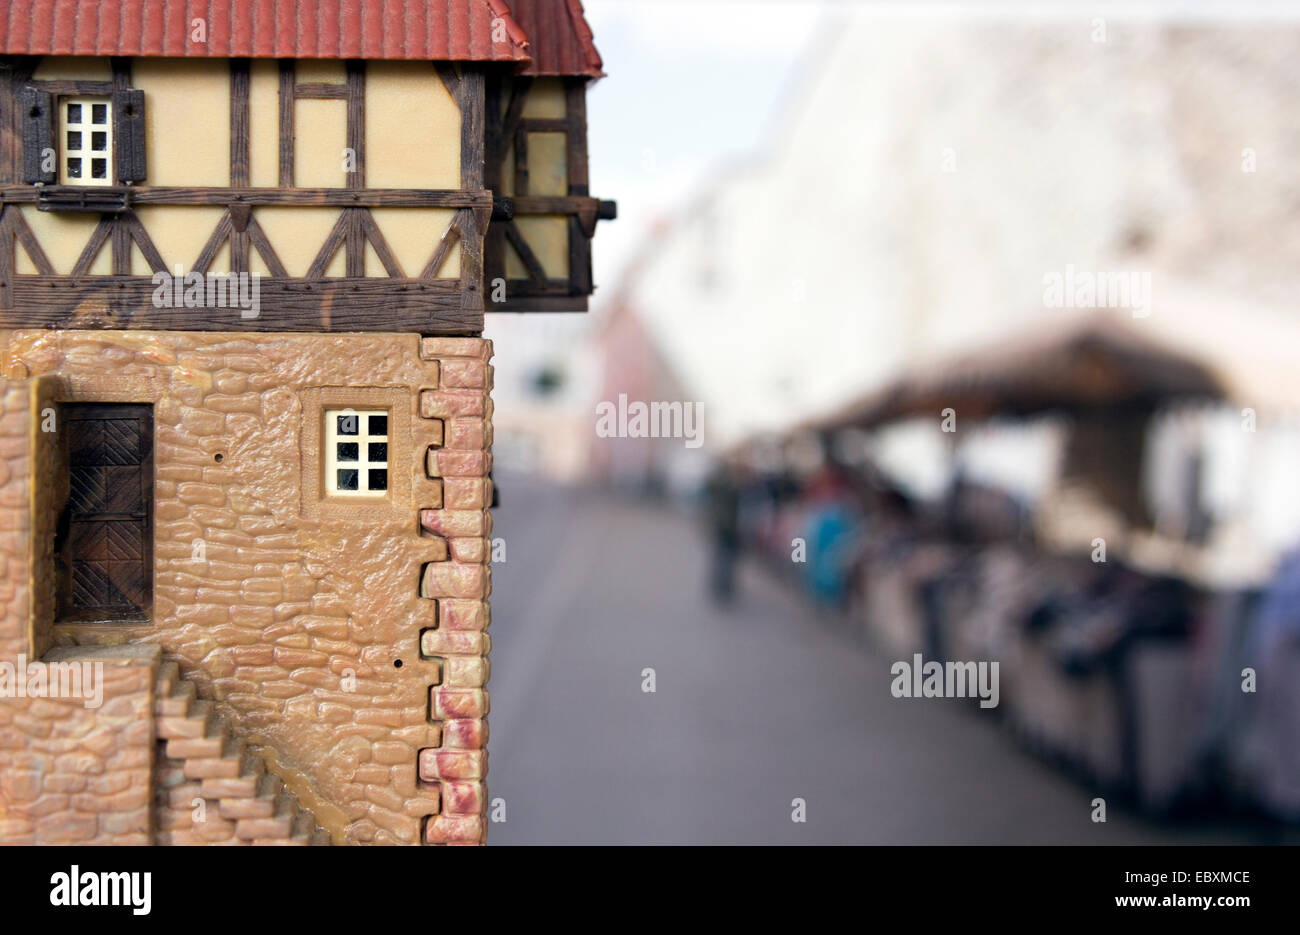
<point x="356" y="452"/>
<point x="86" y="133"/>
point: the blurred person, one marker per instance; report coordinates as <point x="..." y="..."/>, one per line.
<point x="722" y="505"/>
<point x="832" y="530"/>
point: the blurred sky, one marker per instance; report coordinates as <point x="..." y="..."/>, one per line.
<point x="693" y="85"/>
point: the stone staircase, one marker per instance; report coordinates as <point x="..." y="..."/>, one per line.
<point x="200" y="758"/>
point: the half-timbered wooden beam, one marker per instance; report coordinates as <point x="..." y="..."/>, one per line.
<point x="575" y="101"/>
<point x="376" y="239"/>
<point x="321" y="92"/>
<point x="6" y="257"/>
<point x="218" y="236"/>
<point x="284" y="305"/>
<point x="240" y="123"/>
<point x="91" y="250"/>
<point x="337" y="237"/>
<point x="333" y="197"/>
<point x="450" y="237"/>
<point x="61" y="86"/>
<point x="31" y="246"/>
<point x="286" y="122"/>
<point x="121" y="73"/>
<point x="525" y="252"/>
<point x="15" y="71"/>
<point x="356" y="129"/>
<point x="264" y="249"/>
<point x="240" y="129"/>
<point x="141" y="238"/>
<point x="121" y="247"/>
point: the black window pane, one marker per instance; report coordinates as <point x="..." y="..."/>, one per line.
<point x="99" y="113"/>
<point x="74" y="168"/>
<point x="378" y="479"/>
<point x="74" y="113"/>
<point x="99" y="141"/>
<point x="74" y="139"/>
<point x="348" y="451"/>
<point x="377" y="451"/>
<point x="379" y="425"/>
<point x="99" y="168"/>
<point x="348" y="425"/>
<point x="347" y="478"/>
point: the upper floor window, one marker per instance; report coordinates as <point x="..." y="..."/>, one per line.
<point x="86" y="131"/>
<point x="83" y="139"/>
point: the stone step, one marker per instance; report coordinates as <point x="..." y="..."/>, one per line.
<point x="193" y="724"/>
<point x="225" y="765"/>
<point x="169" y="674"/>
<point x="200" y="756"/>
<point x="178" y="701"/>
<point x="279" y="825"/>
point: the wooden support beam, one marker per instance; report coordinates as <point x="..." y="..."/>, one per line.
<point x="515" y="109"/>
<point x="118" y="302"/>
<point x="377" y="240"/>
<point x="321" y="92"/>
<point x="15" y="71"/>
<point x="141" y="238"/>
<point x="286" y="122"/>
<point x="471" y="261"/>
<point x="31" y="246"/>
<point x="575" y="98"/>
<point x="473" y="106"/>
<point x="449" y="239"/>
<point x="337" y="237"/>
<point x="521" y="162"/>
<point x="104" y="88"/>
<point x="209" y="252"/>
<point x="121" y="73"/>
<point x="354" y="241"/>
<point x="536" y="272"/>
<point x="121" y="247"/>
<point x="91" y="250"/>
<point x="6" y="257"/>
<point x="264" y="249"/>
<point x="356" y="130"/>
<point x="240" y="121"/>
<point x="334" y="197"/>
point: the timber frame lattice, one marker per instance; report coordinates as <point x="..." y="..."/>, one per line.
<point x="507" y="132"/>
<point x="422" y="300"/>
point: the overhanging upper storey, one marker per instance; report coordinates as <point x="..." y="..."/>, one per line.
<point x="538" y="258"/>
<point x="326" y="162"/>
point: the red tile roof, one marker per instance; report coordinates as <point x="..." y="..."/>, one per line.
<point x="560" y="39"/>
<point x="445" y="30"/>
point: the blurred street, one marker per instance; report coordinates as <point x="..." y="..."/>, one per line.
<point x="754" y="707"/>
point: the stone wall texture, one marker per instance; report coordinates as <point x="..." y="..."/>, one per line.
<point x="79" y="774"/>
<point x="345" y="645"/>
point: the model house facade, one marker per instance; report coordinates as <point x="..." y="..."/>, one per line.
<point x="246" y="415"/>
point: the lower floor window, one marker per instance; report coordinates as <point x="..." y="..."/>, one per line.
<point x="356" y="452"/>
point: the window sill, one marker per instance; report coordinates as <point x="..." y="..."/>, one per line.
<point x="88" y="199"/>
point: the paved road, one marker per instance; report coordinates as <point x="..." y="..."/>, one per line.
<point x="753" y="707"/>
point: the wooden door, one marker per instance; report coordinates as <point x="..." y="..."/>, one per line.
<point x="104" y="544"/>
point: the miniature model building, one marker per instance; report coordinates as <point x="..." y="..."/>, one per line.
<point x="246" y="248"/>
